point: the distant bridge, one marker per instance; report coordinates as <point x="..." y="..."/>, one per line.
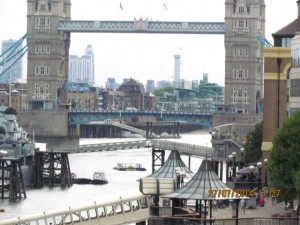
<point x="197" y="118"/>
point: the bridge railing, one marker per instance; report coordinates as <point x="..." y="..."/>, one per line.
<point x="192" y="220"/>
<point x="184" y="148"/>
<point x="122" y="211"/>
<point x="104" y="147"/>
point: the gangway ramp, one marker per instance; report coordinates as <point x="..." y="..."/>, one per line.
<point x="126" y="127"/>
<point x="187" y="149"/>
<point x="126" y="210"/>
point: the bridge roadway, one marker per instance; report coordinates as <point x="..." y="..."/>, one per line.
<point x="82" y="117"/>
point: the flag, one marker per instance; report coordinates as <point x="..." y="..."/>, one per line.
<point x="165" y="6"/>
<point x="121" y="7"/>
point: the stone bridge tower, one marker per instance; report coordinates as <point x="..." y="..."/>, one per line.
<point x="244" y="22"/>
<point x="48" y="52"/>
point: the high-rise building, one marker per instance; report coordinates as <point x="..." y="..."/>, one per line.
<point x="176" y="70"/>
<point x="15" y="72"/>
<point x="150" y="86"/>
<point x="82" y="70"/>
<point x="111" y="84"/>
<point x="163" y="84"/>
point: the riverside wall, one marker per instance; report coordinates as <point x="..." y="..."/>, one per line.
<point x="44" y="123"/>
<point x="54" y="123"/>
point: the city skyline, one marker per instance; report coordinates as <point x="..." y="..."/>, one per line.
<point x="143" y="56"/>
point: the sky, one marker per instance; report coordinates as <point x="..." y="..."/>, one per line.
<point x="148" y="56"/>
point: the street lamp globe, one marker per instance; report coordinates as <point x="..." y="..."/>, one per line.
<point x="182" y="174"/>
<point x="265" y="161"/>
<point x="177" y="170"/>
<point x="259" y="165"/>
<point x="230" y="157"/>
<point x="251" y="169"/>
<point x="242" y="150"/>
<point x="233" y="154"/>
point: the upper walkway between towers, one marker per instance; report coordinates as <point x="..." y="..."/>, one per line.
<point x="142" y="26"/>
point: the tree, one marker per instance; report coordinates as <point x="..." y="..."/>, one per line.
<point x="253" y="145"/>
<point x="160" y="92"/>
<point x="284" y="159"/>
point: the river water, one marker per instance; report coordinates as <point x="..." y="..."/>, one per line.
<point x="120" y="183"/>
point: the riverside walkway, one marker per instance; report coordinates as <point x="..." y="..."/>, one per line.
<point x="138" y="209"/>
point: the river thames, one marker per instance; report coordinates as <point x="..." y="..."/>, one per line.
<point x="120" y="183"/>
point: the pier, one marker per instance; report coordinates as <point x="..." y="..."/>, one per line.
<point x="11" y="179"/>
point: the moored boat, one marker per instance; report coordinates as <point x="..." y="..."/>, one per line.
<point x="99" y="178"/>
<point x="129" y="167"/>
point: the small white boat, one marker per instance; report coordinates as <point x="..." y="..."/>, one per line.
<point x="99" y="178"/>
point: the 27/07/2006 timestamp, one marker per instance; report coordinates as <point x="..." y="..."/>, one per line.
<point x="240" y="193"/>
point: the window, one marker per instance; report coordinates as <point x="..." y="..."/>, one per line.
<point x="47" y="49"/>
<point x="234" y="73"/>
<point x="296" y="58"/>
<point x="245" y="74"/>
<point x="42" y="70"/>
<point x="42" y="21"/>
<point x="43" y="7"/>
<point x="42" y="49"/>
<point x="246" y="52"/>
<point x="235" y="24"/>
<point x="47" y="70"/>
<point x="241" y="9"/>
<point x="241" y="52"/>
<point x="36" y="70"/>
<point x="245" y="89"/>
<point x="286" y="42"/>
<point x="241" y="23"/>
<point x="36" y="48"/>
<point x="234" y="52"/>
<point x="240" y="93"/>
<point x="295" y="91"/>
<point x="240" y="74"/>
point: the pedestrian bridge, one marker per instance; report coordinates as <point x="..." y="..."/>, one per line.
<point x="122" y="211"/>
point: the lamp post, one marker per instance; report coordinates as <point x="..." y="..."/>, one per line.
<point x="242" y="158"/>
<point x="177" y="173"/>
<point x="259" y="166"/>
<point x="233" y="164"/>
<point x="180" y="175"/>
<point x="266" y="173"/>
<point x="230" y="160"/>
<point x="251" y="170"/>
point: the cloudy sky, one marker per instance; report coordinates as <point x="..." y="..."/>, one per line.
<point x="151" y="56"/>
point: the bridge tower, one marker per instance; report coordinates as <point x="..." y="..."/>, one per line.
<point x="244" y="23"/>
<point x="48" y="52"/>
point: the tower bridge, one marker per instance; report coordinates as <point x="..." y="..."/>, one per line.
<point x="49" y="25"/>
